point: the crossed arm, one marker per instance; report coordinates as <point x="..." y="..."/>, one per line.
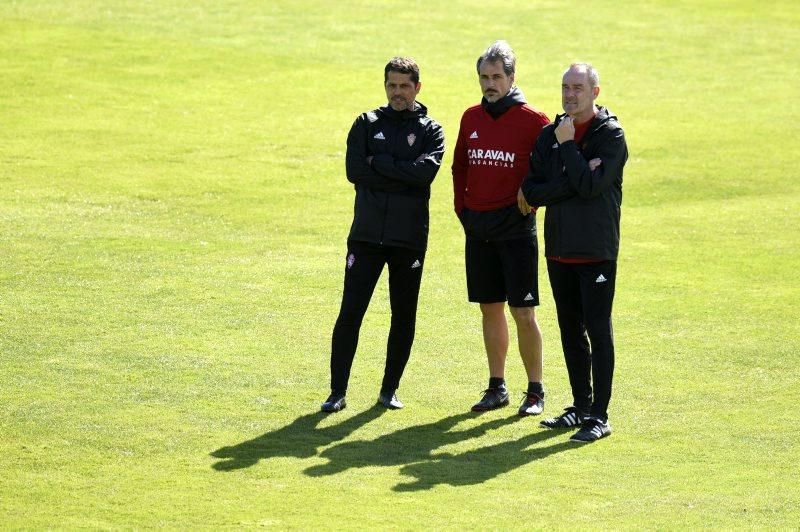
<point x="586" y="179"/>
<point x="383" y="171"/>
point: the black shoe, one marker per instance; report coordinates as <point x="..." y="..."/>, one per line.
<point x="592" y="429"/>
<point x="390" y="400"/>
<point x="334" y="403"/>
<point x="572" y="417"/>
<point x="532" y="404"/>
<point x="492" y="398"/>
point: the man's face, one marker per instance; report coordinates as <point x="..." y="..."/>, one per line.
<point x="401" y="91"/>
<point x="577" y="97"/>
<point x="495" y="83"/>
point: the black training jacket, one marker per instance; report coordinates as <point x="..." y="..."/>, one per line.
<point x="391" y="205"/>
<point x="583" y="206"/>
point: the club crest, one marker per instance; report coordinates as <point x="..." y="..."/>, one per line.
<point x="411" y="138"/>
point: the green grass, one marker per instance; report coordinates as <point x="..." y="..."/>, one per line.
<point x="173" y="211"/>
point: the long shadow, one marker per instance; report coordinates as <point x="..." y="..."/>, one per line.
<point x="405" y="446"/>
<point x="300" y="439"/>
<point x="480" y="465"/>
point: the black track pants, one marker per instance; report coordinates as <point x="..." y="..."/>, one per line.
<point x="584" y="296"/>
<point x="363" y="267"/>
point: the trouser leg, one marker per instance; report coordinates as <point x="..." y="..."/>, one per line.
<point x="598" y="283"/>
<point x="362" y="270"/>
<point x="566" y="287"/>
<point x="405" y="277"/>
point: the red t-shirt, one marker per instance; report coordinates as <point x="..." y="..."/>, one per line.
<point x="491" y="156"/>
<point x="581" y="129"/>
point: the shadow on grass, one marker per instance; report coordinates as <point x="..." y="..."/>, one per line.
<point x="480" y="465"/>
<point x="406" y="446"/>
<point x="413" y="448"/>
<point x="299" y="439"/>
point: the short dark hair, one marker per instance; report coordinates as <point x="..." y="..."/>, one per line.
<point x="404" y="65"/>
<point x="499" y="51"/>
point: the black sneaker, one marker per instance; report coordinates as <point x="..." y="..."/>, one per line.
<point x="334" y="403"/>
<point x="592" y="429"/>
<point x="492" y="398"/>
<point x="390" y="400"/>
<point x="532" y="404"/>
<point x="572" y="417"/>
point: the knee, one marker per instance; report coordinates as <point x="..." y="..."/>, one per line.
<point x="493" y="311"/>
<point x="599" y="329"/>
<point x="524" y="317"/>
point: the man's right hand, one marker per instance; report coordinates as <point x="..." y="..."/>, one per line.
<point x="565" y="130"/>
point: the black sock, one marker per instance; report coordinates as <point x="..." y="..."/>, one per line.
<point x="497" y="382"/>
<point x="537" y="388"/>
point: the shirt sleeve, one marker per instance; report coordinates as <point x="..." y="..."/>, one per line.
<point x="356" y="167"/>
<point x="539" y="188"/>
<point x="459" y="168"/>
<point x="588" y="183"/>
<point x="419" y="172"/>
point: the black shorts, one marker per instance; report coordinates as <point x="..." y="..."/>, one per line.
<point x="503" y="270"/>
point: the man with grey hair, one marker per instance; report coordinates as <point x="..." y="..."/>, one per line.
<point x="576" y="173"/>
<point x="495" y="141"/>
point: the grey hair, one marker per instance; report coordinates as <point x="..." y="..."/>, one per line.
<point x="591" y="72"/>
<point x="499" y="51"/>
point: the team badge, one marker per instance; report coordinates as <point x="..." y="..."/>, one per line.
<point x="411" y="138"/>
<point x="351" y="259"/>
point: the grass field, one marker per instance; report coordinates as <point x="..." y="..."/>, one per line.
<point x="173" y="213"/>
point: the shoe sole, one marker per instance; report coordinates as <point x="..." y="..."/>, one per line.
<point x="334" y="410"/>
<point x="481" y="409"/>
<point x="607" y="434"/>
<point x="525" y="413"/>
<point x="558" y="427"/>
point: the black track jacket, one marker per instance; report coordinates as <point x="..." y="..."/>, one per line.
<point x="583" y="207"/>
<point x="391" y="205"/>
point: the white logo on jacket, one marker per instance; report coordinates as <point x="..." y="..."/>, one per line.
<point x="379" y="136"/>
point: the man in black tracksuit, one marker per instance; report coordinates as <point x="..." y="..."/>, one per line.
<point x="576" y="172"/>
<point x="393" y="155"/>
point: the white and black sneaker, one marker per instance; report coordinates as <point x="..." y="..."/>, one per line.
<point x="592" y="429"/>
<point x="336" y="402"/>
<point x="532" y="404"/>
<point x="572" y="417"/>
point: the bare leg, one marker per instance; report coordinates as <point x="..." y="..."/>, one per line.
<point x="495" y="337"/>
<point x="529" y="337"/>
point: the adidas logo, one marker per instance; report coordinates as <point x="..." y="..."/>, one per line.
<point x="379" y="136"/>
<point x="474" y="135"/>
<point x="555" y="145"/>
<point x="600" y="279"/>
<point x="416" y="264"/>
<point x="529" y="297"/>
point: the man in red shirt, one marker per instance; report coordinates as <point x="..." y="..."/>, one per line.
<point x="490" y="161"/>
